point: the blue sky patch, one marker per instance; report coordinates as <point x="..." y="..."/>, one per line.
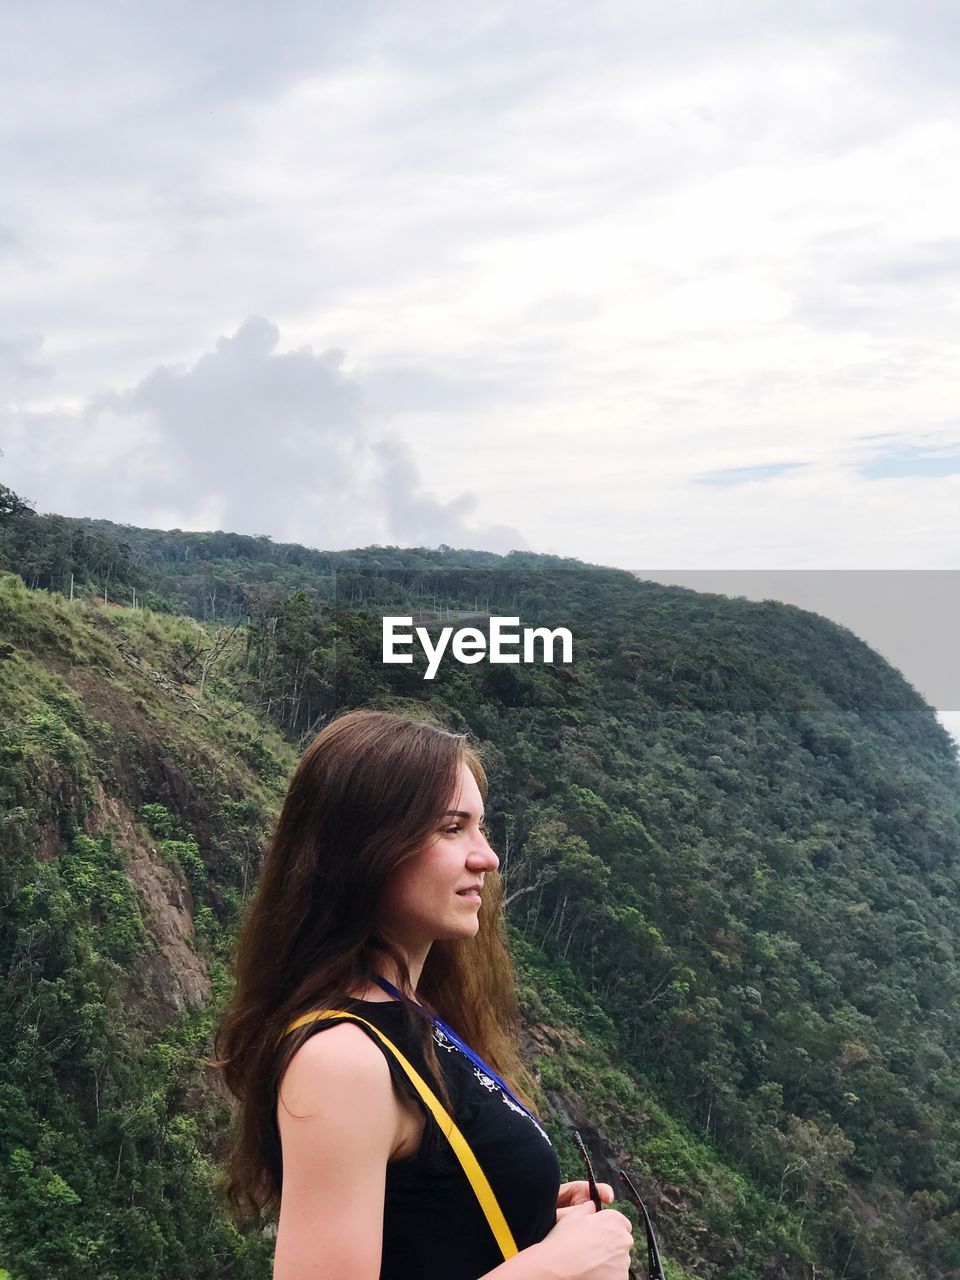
<point x="911" y="460"/>
<point x="742" y="475"/>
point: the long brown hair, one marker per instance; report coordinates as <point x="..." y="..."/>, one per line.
<point x="366" y="794"/>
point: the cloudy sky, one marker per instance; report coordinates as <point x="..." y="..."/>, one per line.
<point x="641" y="283"/>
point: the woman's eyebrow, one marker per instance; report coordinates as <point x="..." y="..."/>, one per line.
<point x="458" y="813"/>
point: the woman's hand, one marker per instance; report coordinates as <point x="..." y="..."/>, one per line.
<point x="573" y="1193"/>
<point x="584" y="1244"/>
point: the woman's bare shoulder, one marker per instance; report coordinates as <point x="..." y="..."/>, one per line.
<point x="340" y="1059"/>
<point x="338" y="1126"/>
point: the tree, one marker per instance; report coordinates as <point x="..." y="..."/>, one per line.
<point x="11" y="505"/>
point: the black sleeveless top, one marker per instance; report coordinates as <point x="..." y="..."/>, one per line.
<point x="433" y="1226"/>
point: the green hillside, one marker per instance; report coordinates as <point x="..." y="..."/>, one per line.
<point x="729" y="834"/>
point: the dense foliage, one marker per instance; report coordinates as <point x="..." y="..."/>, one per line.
<point x="730" y="837"/>
<point x="105" y="1168"/>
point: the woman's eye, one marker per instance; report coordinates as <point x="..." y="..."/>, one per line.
<point x="451" y="830"/>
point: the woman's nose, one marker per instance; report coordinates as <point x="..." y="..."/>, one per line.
<point x="484" y="855"/>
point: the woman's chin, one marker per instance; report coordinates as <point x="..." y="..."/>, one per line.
<point x="467" y="928"/>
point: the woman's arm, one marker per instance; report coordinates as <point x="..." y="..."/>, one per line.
<point x="339" y="1122"/>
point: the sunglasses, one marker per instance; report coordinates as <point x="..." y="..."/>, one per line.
<point x="654" y="1265"/>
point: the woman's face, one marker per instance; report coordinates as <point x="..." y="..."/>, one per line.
<point x="424" y="898"/>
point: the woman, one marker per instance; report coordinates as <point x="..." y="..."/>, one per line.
<point x="380" y="897"/>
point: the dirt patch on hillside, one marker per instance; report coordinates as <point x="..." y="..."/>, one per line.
<point x="172" y="975"/>
<point x="142" y="762"/>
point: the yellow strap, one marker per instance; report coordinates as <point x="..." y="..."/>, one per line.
<point x="471" y="1167"/>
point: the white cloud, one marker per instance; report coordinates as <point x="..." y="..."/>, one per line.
<point x="577" y="257"/>
<point x="248" y="438"/>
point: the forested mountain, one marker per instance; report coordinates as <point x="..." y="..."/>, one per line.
<point x="730" y="835"/>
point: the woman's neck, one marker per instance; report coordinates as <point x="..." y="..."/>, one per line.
<point x="384" y="966"/>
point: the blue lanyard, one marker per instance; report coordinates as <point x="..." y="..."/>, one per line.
<point x="449" y="1032"/>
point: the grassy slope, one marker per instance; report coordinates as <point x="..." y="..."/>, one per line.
<point x="112" y="944"/>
